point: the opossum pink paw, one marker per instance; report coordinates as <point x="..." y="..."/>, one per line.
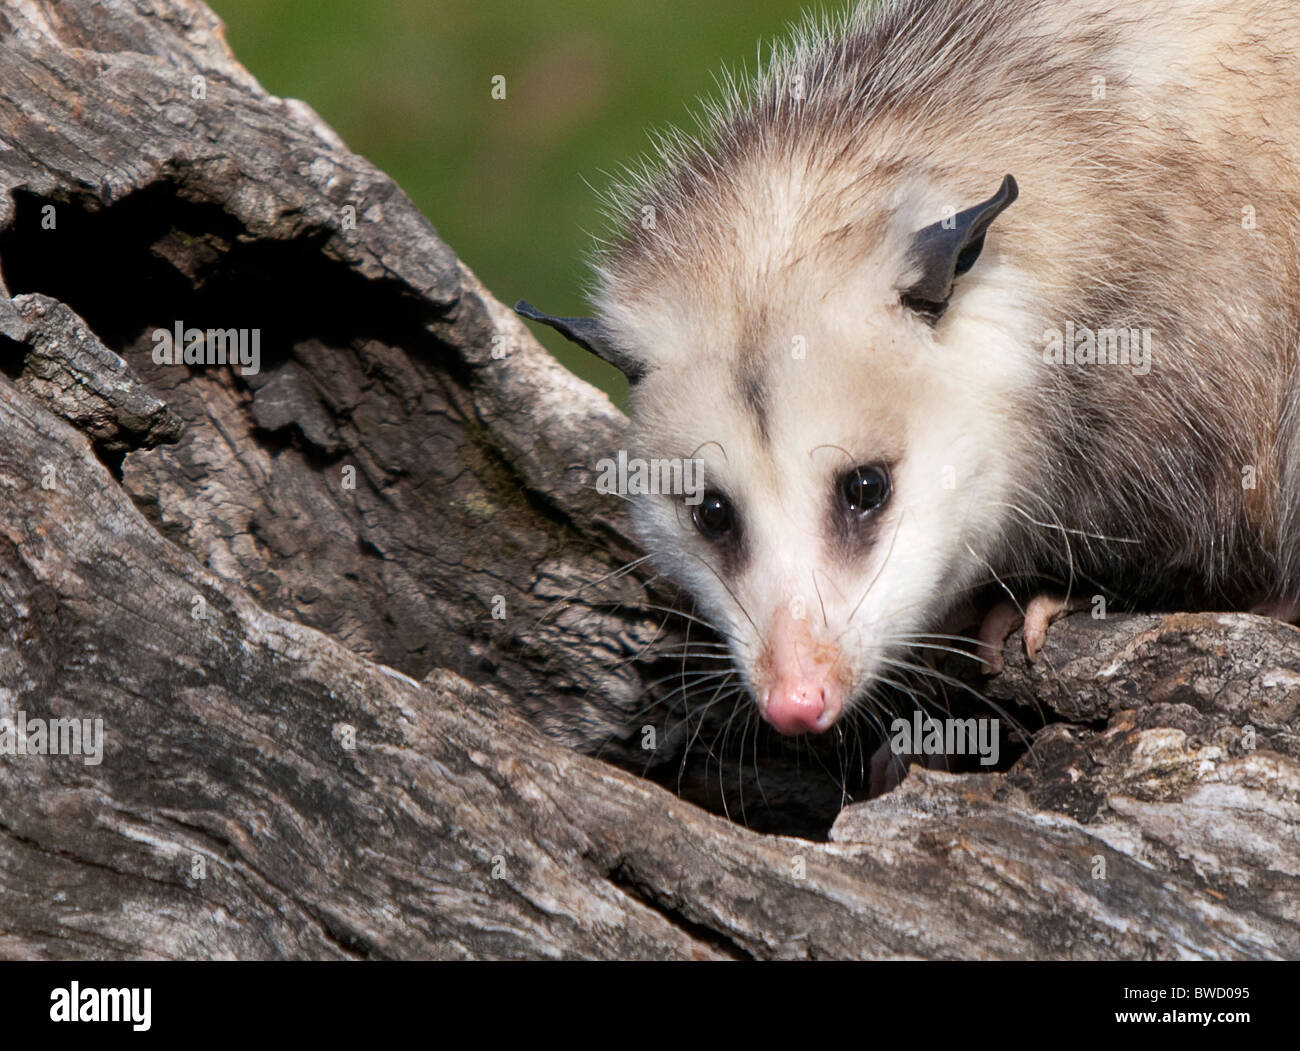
<point x="1283" y="609"/>
<point x="996" y="628"/>
<point x="1036" y="618"/>
<point x="1040" y="614"/>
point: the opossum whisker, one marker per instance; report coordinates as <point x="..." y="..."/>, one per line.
<point x="622" y="570"/>
<point x="715" y="752"/>
<point x="721" y="448"/>
<point x="693" y="683"/>
<point x="740" y="765"/>
<point x="691" y="678"/>
<point x="706" y="644"/>
<point x="758" y="775"/>
<point x="831" y="445"/>
<point x="842" y="747"/>
<point x="1065" y="529"/>
<point x="948" y="680"/>
<point x="604" y="492"/>
<point x="739" y="605"/>
<point x="682" y="673"/>
<point x="820" y="600"/>
<point x="696" y="648"/>
<point x="1000" y="582"/>
<point x="693" y="619"/>
<point x="932" y="696"/>
<point x="722" y="694"/>
<point x="803" y="746"/>
<point x="872" y="583"/>
<point x="938" y="635"/>
<point x="698" y="712"/>
<point x="870" y="707"/>
<point x="1065" y="539"/>
<point x="912" y="643"/>
<point x="695" y="656"/>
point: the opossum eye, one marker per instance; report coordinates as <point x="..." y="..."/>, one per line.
<point x="865" y="488"/>
<point x="714" y="516"/>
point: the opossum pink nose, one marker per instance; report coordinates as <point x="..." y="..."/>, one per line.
<point x="801" y="705"/>
<point x="801" y="684"/>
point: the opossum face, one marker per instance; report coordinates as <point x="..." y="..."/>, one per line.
<point x="846" y="497"/>
<point x="854" y="450"/>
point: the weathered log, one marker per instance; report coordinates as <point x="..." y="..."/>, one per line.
<point x="249" y="602"/>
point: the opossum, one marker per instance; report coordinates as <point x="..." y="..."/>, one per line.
<point x="961" y="293"/>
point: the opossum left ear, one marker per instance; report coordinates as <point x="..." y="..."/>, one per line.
<point x="589" y="334"/>
<point x="945" y="250"/>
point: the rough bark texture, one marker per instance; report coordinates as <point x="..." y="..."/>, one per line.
<point x="277" y="592"/>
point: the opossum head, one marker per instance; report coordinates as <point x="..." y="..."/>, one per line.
<point x="849" y="390"/>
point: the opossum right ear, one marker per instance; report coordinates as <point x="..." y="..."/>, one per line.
<point x="945" y="250"/>
<point x="589" y="334"/>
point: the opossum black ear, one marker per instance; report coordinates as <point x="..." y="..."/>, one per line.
<point x="589" y="334"/>
<point x="945" y="250"/>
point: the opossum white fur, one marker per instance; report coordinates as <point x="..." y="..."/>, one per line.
<point x="1156" y="144"/>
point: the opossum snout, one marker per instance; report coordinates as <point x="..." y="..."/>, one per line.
<point x="801" y="705"/>
<point x="801" y="684"/>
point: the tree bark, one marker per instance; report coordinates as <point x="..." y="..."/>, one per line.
<point x="277" y="590"/>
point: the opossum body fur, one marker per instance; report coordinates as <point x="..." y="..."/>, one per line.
<point x="969" y="291"/>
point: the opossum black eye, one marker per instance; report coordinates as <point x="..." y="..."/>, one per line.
<point x="865" y="488"/>
<point x="714" y="516"/>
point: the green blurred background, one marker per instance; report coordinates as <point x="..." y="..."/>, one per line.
<point x="507" y="184"/>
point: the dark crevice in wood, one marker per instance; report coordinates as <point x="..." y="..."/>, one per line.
<point x="625" y="879"/>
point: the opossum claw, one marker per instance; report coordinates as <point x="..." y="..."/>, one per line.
<point x="1040" y="614"/>
<point x="996" y="628"/>
<point x="1041" y="611"/>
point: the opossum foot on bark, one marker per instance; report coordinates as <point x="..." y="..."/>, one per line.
<point x="1036" y="617"/>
